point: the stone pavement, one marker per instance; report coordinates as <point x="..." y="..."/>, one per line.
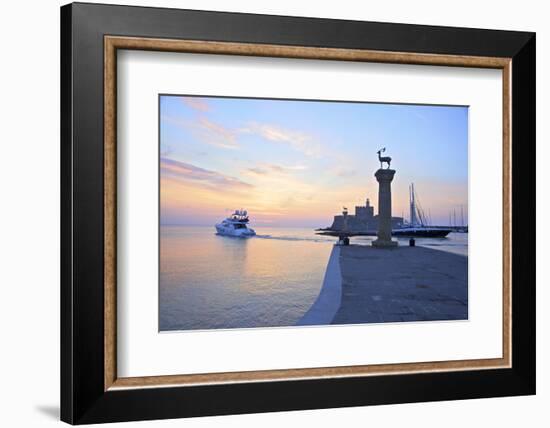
<point x="401" y="284"/>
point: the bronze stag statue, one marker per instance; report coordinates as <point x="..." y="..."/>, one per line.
<point x="383" y="159"/>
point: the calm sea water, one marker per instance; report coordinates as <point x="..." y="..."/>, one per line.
<point x="209" y="281"/>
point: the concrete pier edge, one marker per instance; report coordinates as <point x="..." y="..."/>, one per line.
<point x="329" y="299"/>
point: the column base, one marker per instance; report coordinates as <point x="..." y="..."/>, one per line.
<point x="384" y="244"/>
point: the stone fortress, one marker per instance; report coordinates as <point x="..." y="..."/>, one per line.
<point x="364" y="220"/>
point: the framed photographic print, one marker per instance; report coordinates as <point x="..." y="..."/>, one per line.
<point x="265" y="213"/>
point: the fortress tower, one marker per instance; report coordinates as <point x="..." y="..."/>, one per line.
<point x="365" y="213"/>
<point x="363" y="220"/>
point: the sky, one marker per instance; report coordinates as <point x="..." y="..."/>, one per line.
<point x="295" y="163"/>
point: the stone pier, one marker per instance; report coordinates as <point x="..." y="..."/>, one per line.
<point x="384" y="178"/>
<point x="404" y="284"/>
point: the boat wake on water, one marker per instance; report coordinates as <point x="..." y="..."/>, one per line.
<point x="294" y="238"/>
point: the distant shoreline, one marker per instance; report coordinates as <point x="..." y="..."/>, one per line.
<point x="312" y="228"/>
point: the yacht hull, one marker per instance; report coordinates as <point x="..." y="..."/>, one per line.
<point x="421" y="232"/>
<point x="236" y="233"/>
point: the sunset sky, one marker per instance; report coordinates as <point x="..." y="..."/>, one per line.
<point x="297" y="163"/>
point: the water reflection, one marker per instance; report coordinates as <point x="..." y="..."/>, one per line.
<point x="209" y="281"/>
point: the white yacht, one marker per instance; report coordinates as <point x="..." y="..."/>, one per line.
<point x="235" y="225"/>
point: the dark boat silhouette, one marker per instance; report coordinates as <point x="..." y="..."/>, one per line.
<point x="421" y="232"/>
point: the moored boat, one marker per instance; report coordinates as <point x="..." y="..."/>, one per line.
<point x="417" y="227"/>
<point x="421" y="232"/>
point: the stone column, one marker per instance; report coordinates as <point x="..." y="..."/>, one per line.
<point x="345" y="226"/>
<point x="384" y="178"/>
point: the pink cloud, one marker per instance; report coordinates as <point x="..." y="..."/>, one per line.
<point x="199" y="104"/>
<point x="298" y="140"/>
<point x="207" y="131"/>
<point x="186" y="172"/>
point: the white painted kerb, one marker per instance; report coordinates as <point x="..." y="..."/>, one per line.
<point x="328" y="302"/>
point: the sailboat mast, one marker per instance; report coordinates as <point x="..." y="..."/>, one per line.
<point x="454" y="217"/>
<point x="412" y="204"/>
